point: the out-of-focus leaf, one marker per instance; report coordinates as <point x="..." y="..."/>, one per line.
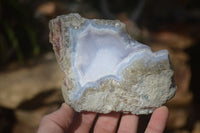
<point x="33" y="40"/>
<point x="3" y="49"/>
<point x="14" y="41"/>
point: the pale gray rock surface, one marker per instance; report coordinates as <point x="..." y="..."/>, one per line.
<point x="106" y="70"/>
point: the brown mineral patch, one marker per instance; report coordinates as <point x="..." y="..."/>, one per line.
<point x="132" y="71"/>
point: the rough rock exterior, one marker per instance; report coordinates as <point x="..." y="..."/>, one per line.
<point x="144" y="82"/>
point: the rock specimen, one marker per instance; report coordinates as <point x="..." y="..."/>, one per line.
<point x="106" y="70"/>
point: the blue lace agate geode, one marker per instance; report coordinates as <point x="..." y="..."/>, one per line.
<point x="106" y="70"/>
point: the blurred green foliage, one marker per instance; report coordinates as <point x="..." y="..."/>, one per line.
<point x="18" y="35"/>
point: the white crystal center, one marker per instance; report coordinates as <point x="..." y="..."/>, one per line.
<point x="99" y="53"/>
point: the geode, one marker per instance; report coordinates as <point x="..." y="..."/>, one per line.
<point x="106" y="70"/>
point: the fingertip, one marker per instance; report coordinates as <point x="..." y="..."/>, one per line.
<point x="65" y="106"/>
<point x="158" y="120"/>
<point x="163" y="110"/>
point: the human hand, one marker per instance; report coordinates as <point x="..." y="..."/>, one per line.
<point x="63" y="120"/>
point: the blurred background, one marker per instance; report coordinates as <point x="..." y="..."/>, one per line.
<point x="30" y="78"/>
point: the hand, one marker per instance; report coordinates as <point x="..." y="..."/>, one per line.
<point x="61" y="121"/>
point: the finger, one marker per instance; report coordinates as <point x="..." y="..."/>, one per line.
<point x="107" y="123"/>
<point x="57" y="121"/>
<point x="82" y="122"/>
<point x="158" y="120"/>
<point x="128" y="123"/>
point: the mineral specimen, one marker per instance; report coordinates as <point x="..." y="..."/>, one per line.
<point x="106" y="70"/>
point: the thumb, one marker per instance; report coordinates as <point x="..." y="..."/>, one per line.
<point x="58" y="121"/>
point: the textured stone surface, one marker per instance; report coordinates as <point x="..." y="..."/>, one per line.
<point x="106" y="70"/>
